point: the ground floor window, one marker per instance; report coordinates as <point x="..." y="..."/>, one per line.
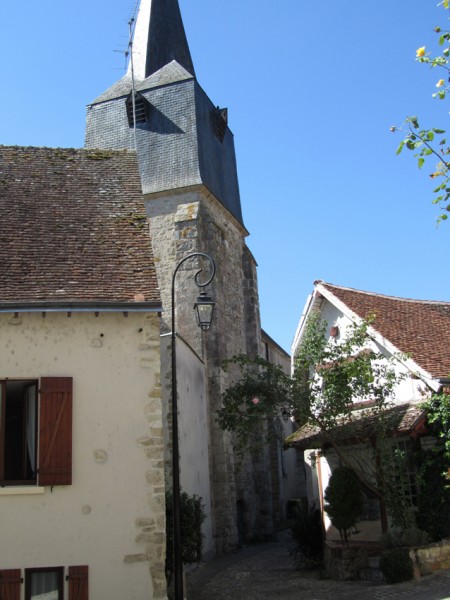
<point x="44" y="584"/>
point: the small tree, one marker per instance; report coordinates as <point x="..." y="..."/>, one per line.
<point x="344" y="501"/>
<point x="329" y="377"/>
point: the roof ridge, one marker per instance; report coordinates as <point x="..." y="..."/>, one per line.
<point x="378" y="295"/>
<point x="69" y="148"/>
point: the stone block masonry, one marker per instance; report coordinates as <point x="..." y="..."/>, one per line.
<point x="193" y="220"/>
<point x="431" y="558"/>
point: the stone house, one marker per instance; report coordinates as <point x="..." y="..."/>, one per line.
<point x="418" y="332"/>
<point x="81" y="441"/>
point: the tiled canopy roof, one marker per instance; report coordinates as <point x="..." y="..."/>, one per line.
<point x="420" y="328"/>
<point x="74" y="228"/>
<point x="402" y="419"/>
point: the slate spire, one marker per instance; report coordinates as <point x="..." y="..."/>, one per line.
<point x="159" y="38"/>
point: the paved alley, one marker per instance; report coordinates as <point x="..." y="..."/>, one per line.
<point x="266" y="572"/>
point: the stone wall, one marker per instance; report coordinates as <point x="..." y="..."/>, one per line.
<point x="183" y="222"/>
<point x="431" y="558"/>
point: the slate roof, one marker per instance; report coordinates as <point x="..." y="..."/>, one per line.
<point x="401" y="419"/>
<point x="170" y="73"/>
<point x="74" y="229"/>
<point x="160" y="38"/>
<point x="420" y="328"/>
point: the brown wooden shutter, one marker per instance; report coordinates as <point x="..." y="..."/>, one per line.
<point x="10" y="581"/>
<point x="55" y="431"/>
<point x="78" y="583"/>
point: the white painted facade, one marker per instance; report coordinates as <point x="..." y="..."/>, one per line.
<point x="112" y="516"/>
<point x="413" y="386"/>
<point x="194" y="441"/>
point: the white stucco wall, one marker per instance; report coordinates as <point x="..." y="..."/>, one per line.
<point x="193" y="434"/>
<point x="194" y="442"/>
<point x="408" y="389"/>
<point x="112" y="517"/>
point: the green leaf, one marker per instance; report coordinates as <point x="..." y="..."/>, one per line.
<point x="420" y="162"/>
<point x="439" y="131"/>
<point x="442" y="40"/>
<point x="430" y="136"/>
<point x="400" y="147"/>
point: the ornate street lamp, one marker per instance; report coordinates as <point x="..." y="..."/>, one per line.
<point x="204" y="309"/>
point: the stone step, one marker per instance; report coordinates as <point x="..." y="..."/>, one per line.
<point x="371" y="574"/>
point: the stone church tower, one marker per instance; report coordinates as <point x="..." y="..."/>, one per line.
<point x="189" y="180"/>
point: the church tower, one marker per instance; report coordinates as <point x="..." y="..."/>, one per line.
<point x="189" y="180"/>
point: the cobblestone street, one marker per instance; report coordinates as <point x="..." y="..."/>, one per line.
<point x="266" y="572"/>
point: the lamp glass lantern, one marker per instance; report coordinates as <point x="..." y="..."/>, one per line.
<point x="204" y="310"/>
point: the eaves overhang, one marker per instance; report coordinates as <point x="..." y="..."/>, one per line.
<point x="403" y="419"/>
<point x="73" y="306"/>
<point x="409" y="363"/>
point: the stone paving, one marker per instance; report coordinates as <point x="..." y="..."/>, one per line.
<point x="266" y="572"/>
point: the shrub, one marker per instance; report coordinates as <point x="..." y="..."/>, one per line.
<point x="433" y="499"/>
<point x="192" y="515"/>
<point x="305" y="528"/>
<point x="396" y="565"/>
<point x="397" y="538"/>
<point x="344" y="500"/>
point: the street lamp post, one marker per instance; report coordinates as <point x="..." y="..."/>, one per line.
<point x="204" y="308"/>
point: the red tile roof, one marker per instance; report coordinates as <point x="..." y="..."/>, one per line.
<point x="73" y="228"/>
<point x="361" y="425"/>
<point x="420" y="328"/>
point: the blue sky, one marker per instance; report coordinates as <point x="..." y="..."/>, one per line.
<point x="312" y="89"/>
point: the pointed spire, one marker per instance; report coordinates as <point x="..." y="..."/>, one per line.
<point x="159" y="38"/>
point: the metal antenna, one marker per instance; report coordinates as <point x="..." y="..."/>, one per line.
<point x="129" y="54"/>
<point x="131" y="23"/>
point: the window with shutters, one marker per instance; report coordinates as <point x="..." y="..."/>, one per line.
<point x="44" y="584"/>
<point x="36" y="431"/>
<point x="47" y="583"/>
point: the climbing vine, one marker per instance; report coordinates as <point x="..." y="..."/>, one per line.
<point x="329" y="377"/>
<point x="262" y="392"/>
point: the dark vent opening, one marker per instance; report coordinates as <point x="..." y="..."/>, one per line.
<point x="220" y="122"/>
<point x="141" y="109"/>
